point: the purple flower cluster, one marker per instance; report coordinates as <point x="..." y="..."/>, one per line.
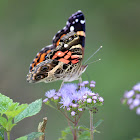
<point x="132" y="98"/>
<point x="76" y="97"/>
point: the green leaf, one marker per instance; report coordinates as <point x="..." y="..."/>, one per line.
<point x="14" y="110"/>
<point x="31" y="136"/>
<point x="3" y="121"/>
<point x="85" y="135"/>
<point x="98" y="123"/>
<point x="31" y="110"/>
<point x="34" y="135"/>
<point x="2" y="130"/>
<point x="9" y="124"/>
<point x="13" y="106"/>
<point x="5" y="102"/>
<point x="22" y="138"/>
<point x="83" y="128"/>
<point x="65" y="132"/>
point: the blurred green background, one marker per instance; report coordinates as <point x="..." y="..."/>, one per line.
<point x="26" y="26"/>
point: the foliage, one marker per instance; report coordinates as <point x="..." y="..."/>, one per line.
<point x="12" y="112"/>
<point x="31" y="136"/>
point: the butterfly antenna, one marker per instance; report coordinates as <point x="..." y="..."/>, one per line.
<point x="94" y="61"/>
<point x="93" y="55"/>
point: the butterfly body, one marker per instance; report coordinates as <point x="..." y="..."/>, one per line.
<point x="63" y="59"/>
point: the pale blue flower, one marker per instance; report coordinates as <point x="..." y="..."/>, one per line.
<point x="93" y="82"/>
<point x="137" y="87"/>
<point x="68" y="109"/>
<point x="80" y="109"/>
<point x="85" y="82"/>
<point x="45" y="100"/>
<point x="138" y="111"/>
<point x="85" y="90"/>
<point x="69" y="88"/>
<point x="91" y="94"/>
<point x="136" y="102"/>
<point x="50" y="93"/>
<point x="101" y="99"/>
<point x="65" y="101"/>
<point x="75" y="98"/>
<point x="94" y="101"/>
<point x="73" y="113"/>
<point x="92" y="85"/>
<point x="129" y="101"/>
<point x="55" y="97"/>
<point x="74" y="105"/>
<point x="81" y="84"/>
<point x="129" y="94"/>
<point x="89" y="100"/>
<point x="94" y="97"/>
<point x="76" y="95"/>
<point x="138" y="96"/>
<point x="131" y="107"/>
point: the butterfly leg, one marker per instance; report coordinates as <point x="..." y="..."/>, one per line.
<point x="61" y="85"/>
<point x="80" y="81"/>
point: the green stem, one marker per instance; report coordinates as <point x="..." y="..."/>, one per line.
<point x="91" y="125"/>
<point x="69" y="122"/>
<point x="75" y="129"/>
<point x="8" y="135"/>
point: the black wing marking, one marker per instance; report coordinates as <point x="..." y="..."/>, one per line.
<point x="75" y="23"/>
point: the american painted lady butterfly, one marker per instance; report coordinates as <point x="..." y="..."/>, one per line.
<point x="63" y="59"/>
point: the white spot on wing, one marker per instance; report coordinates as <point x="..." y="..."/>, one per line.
<point x="65" y="45"/>
<point x="42" y="49"/>
<point x="79" y="11"/>
<point x="67" y="23"/>
<point x="64" y="28"/>
<point x="53" y="37"/>
<point x="49" y="46"/>
<point x="59" y="53"/>
<point x="71" y="28"/>
<point x="76" y="20"/>
<point x="82" y="21"/>
<point x="59" y="31"/>
<point x="73" y="22"/>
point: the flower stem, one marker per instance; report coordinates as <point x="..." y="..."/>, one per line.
<point x="8" y="135"/>
<point x="91" y="125"/>
<point x="69" y="122"/>
<point x="75" y="129"/>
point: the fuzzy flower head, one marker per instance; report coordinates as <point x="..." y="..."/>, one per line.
<point x="132" y="98"/>
<point x="75" y="98"/>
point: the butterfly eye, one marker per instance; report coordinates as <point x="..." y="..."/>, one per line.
<point x="75" y="35"/>
<point x="39" y="76"/>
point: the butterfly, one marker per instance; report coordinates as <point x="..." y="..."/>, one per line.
<point x="62" y="60"/>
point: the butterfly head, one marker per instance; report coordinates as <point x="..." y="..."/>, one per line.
<point x="83" y="69"/>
